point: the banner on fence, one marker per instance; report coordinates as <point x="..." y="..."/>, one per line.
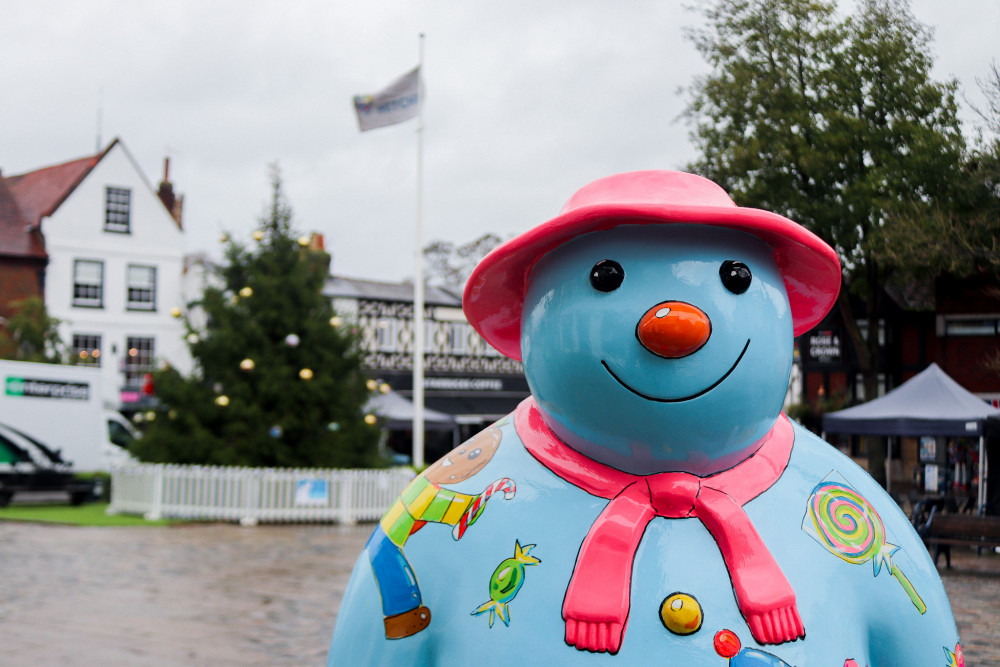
<point x="312" y="493"/>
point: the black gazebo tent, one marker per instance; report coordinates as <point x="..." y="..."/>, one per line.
<point x="930" y="403"/>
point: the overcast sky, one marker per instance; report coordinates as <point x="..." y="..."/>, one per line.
<point x="526" y="102"/>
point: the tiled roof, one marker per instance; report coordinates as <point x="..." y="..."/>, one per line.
<point x="39" y="193"/>
<point x="18" y="238"/>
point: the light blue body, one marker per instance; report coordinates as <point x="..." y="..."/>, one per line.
<point x="848" y="612"/>
<point x="568" y="329"/>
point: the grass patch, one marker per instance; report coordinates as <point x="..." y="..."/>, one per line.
<point x="90" y="514"/>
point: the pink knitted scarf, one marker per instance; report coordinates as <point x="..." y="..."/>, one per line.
<point x="597" y="599"/>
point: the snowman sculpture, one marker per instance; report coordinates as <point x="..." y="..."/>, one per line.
<point x="648" y="503"/>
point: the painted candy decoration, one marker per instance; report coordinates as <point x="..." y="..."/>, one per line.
<point x="504" y="486"/>
<point x="505" y="582"/>
<point x="681" y="614"/>
<point x="848" y="526"/>
<point x="955" y="658"/>
<point x="727" y="645"/>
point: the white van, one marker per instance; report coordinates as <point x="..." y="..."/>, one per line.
<point x="62" y="406"/>
<point x="120" y="436"/>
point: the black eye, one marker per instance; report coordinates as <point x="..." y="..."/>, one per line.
<point x="607" y="275"/>
<point x="735" y="276"/>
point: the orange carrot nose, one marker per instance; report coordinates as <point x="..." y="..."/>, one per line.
<point x="674" y="329"/>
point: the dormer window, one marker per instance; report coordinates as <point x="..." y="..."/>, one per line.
<point x="117" y="205"/>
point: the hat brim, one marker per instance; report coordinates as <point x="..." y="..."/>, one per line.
<point x="494" y="295"/>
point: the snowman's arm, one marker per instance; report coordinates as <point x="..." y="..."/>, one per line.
<point x="359" y="636"/>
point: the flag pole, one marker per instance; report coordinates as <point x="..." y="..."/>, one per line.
<point x="418" y="283"/>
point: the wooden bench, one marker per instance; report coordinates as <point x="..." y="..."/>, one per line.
<point x="944" y="530"/>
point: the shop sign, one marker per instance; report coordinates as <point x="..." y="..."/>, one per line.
<point x="463" y="384"/>
<point x="825" y="347"/>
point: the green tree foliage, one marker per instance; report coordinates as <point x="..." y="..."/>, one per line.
<point x="31" y="335"/>
<point x="963" y="238"/>
<point x="278" y="379"/>
<point x="835" y="123"/>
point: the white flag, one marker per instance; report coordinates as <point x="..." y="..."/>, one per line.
<point x="398" y="102"/>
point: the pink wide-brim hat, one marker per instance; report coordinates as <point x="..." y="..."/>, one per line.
<point x="494" y="294"/>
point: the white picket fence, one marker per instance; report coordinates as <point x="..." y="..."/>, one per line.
<point x="255" y="495"/>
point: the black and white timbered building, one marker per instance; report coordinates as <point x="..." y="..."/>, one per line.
<point x="464" y="376"/>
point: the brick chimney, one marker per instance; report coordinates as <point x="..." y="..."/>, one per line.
<point x="173" y="203"/>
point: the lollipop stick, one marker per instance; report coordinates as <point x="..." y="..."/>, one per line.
<point x="908" y="587"/>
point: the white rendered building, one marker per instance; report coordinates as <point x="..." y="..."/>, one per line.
<point x="115" y="251"/>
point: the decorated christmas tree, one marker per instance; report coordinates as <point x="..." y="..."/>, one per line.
<point x="277" y="379"/>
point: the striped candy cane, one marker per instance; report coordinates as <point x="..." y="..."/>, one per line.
<point x="504" y="485"/>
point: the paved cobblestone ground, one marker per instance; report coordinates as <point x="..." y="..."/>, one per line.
<point x="225" y="595"/>
<point x="189" y="595"/>
<point x="973" y="585"/>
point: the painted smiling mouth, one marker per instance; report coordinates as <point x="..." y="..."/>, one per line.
<point x="683" y="398"/>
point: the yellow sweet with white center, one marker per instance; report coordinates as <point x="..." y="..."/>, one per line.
<point x="681" y="614"/>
